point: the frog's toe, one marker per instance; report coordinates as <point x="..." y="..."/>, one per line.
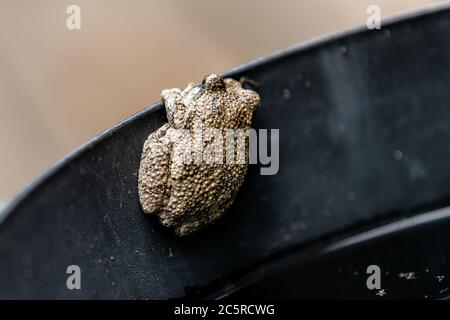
<point x="188" y="228"/>
<point x="167" y="218"/>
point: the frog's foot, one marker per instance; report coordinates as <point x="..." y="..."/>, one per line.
<point x="167" y="218"/>
<point x="196" y="223"/>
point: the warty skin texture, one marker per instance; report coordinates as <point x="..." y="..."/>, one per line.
<point x="191" y="196"/>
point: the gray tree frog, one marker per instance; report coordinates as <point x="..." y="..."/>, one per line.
<point x="189" y="196"/>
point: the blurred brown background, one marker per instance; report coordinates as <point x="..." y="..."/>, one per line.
<point x="59" y="87"/>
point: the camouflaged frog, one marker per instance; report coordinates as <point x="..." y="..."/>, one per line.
<point x="189" y="196"/>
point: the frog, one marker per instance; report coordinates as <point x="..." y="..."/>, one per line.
<point x="188" y="196"/>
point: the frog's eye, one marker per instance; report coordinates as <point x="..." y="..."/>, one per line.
<point x="213" y="82"/>
<point x="250" y="98"/>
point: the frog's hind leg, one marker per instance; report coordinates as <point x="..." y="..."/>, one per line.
<point x="154" y="171"/>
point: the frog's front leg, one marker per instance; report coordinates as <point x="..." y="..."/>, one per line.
<point x="175" y="107"/>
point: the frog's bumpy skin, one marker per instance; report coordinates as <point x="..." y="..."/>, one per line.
<point x="188" y="197"/>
